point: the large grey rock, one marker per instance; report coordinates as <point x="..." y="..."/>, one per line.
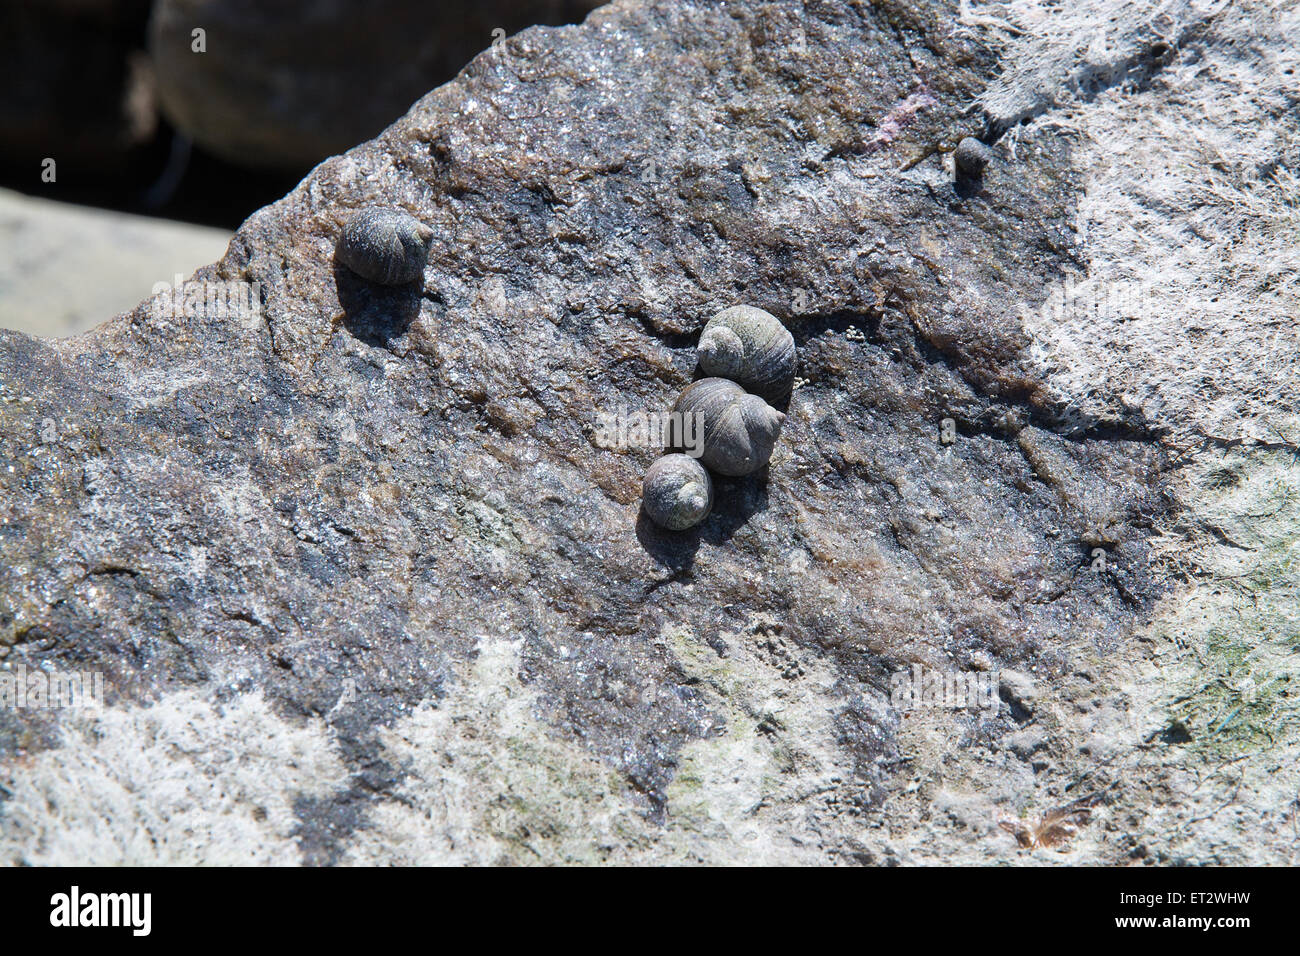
<point x="288" y="84"/>
<point x="367" y="587"/>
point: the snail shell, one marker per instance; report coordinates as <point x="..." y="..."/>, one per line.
<point x="739" y="429"/>
<point x="752" y="347"/>
<point x="386" y="246"/>
<point x="970" y="157"/>
<point x="677" y="492"/>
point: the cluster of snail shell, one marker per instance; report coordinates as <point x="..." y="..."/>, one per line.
<point x="749" y="358"/>
<point x="747" y="354"/>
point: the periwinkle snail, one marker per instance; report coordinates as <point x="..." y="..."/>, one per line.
<point x="739" y="429"/>
<point x="750" y="347"/>
<point x="740" y="348"/>
<point x="970" y="157"/>
<point x="677" y="492"/>
<point x="386" y="246"/>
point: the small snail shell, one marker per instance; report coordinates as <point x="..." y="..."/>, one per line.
<point x="677" y="492"/>
<point x="749" y="346"/>
<point x="970" y="157"/>
<point x="739" y="430"/>
<point x="384" y="245"/>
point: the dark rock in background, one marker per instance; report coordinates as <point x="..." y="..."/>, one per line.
<point x="112" y="92"/>
<point x="77" y="84"/>
<point x="286" y="84"/>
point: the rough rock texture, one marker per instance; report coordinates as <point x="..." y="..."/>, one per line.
<point x="287" y="84"/>
<point x="366" y="564"/>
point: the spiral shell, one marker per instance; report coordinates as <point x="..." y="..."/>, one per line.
<point x="970" y="157"/>
<point x="677" y="492"/>
<point x="739" y="429"/>
<point x="386" y="246"/>
<point x="751" y="347"/>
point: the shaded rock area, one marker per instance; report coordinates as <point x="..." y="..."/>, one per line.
<point x="377" y="526"/>
<point x="204" y="110"/>
<point x="286" y="84"/>
<point x="77" y="85"/>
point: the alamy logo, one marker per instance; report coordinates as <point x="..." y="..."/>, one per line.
<point x="23" y="689"/>
<point x="949" y="690"/>
<point x="1095" y="299"/>
<point x="213" y="300"/>
<point x="103" y="909"/>
<point x="623" y="429"/>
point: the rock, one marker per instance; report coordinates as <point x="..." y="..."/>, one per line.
<point x="378" y="530"/>
<point x="287" y="84"/>
<point x="1018" y="689"/>
<point x="78" y="89"/>
<point x="1025" y="743"/>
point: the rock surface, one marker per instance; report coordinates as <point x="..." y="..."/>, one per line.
<point x="366" y="587"/>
